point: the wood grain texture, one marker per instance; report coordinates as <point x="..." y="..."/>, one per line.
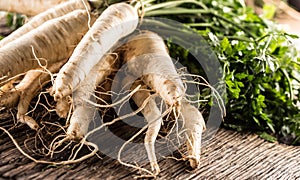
<point x="229" y="155"/>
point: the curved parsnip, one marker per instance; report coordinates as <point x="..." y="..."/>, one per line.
<point x="84" y="112"/>
<point x="28" y="7"/>
<point x="153" y="117"/>
<point x="117" y="21"/>
<point x="147" y="58"/>
<point x="36" y="21"/>
<point x="26" y="90"/>
<point x="194" y="125"/>
<point x="52" y="41"/>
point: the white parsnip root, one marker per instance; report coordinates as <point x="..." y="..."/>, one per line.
<point x="28" y="88"/>
<point x="117" y="21"/>
<point x="84" y="112"/>
<point x="8" y="86"/>
<point x="8" y="97"/>
<point x="63" y="107"/>
<point x="153" y="116"/>
<point x="46" y="41"/>
<point x="194" y="125"/>
<point x="52" y="13"/>
<point x="28" y="7"/>
<point x="147" y="58"/>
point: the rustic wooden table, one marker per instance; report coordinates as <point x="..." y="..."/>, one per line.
<point x="229" y="155"/>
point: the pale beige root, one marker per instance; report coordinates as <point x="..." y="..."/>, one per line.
<point x="147" y="57"/>
<point x="7" y="87"/>
<point x="63" y="107"/>
<point x="72" y="160"/>
<point x="194" y="126"/>
<point x="28" y="7"/>
<point x="84" y="112"/>
<point x="153" y="116"/>
<point x="115" y="22"/>
<point x="9" y="99"/>
<point x="29" y="87"/>
<point x="51" y="42"/>
<point x="55" y="12"/>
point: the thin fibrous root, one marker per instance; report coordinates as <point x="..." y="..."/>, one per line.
<point x="215" y="93"/>
<point x="28" y="88"/>
<point x="70" y="161"/>
<point x="47" y="40"/>
<point x="150" y="174"/>
<point x="147" y="58"/>
<point x="117" y="21"/>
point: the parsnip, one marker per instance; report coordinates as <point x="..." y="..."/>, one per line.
<point x="84" y="112"/>
<point x="9" y="99"/>
<point x="6" y="87"/>
<point x="117" y="21"/>
<point x="28" y="7"/>
<point x="63" y="107"/>
<point x="22" y="94"/>
<point x="47" y="41"/>
<point x="147" y="57"/>
<point x="27" y="89"/>
<point x="154" y="118"/>
<point x="55" y="12"/>
<point x="194" y="126"/>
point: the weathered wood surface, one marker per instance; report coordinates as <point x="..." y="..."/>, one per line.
<point x="229" y="155"/>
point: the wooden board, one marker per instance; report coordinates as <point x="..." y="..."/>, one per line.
<point x="229" y="155"/>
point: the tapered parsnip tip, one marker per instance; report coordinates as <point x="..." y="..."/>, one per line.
<point x="155" y="168"/>
<point x="29" y="121"/>
<point x="194" y="126"/>
<point x="115" y="22"/>
<point x="9" y="99"/>
<point x="62" y="107"/>
<point x="194" y="162"/>
<point x="74" y="131"/>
